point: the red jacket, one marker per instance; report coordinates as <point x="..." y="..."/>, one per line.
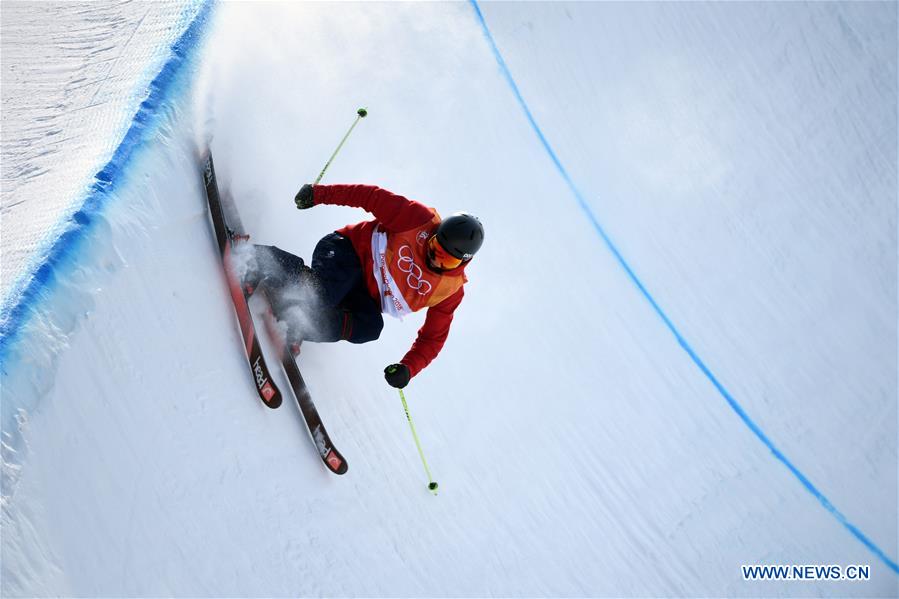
<point x="401" y="218"/>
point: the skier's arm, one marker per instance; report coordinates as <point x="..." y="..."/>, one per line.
<point x="394" y="212"/>
<point x="432" y="334"/>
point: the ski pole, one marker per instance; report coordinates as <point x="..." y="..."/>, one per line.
<point x="432" y="484"/>
<point x="362" y="113"/>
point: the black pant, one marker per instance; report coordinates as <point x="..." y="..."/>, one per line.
<point x="327" y="302"/>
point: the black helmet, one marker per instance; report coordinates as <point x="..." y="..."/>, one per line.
<point x="461" y="235"/>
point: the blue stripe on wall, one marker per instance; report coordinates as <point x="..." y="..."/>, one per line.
<point x="65" y="248"/>
<point x="591" y="216"/>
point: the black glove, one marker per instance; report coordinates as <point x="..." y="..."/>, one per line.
<point x="304" y="198"/>
<point x="397" y="375"/>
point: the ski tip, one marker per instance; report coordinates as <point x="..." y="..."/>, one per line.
<point x="271" y="395"/>
<point x="335" y="462"/>
<point x="268" y="392"/>
<point x="273" y="403"/>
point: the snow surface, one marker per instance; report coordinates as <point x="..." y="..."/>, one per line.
<point x="73" y="77"/>
<point x="741" y="157"/>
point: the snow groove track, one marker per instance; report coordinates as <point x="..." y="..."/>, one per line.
<point x="732" y="402"/>
<point x="21" y="306"/>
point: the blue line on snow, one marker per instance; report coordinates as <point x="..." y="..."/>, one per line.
<point x="66" y="246"/>
<point x="507" y="74"/>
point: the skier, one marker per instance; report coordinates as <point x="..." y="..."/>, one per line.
<point x="404" y="260"/>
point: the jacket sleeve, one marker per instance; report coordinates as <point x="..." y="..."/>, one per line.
<point x="432" y="334"/>
<point x="393" y="211"/>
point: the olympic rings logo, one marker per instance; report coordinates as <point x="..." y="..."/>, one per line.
<point x="406" y="263"/>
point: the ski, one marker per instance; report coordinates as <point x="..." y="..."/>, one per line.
<point x="268" y="392"/>
<point x="330" y="456"/>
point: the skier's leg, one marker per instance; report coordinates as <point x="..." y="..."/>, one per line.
<point x="280" y="272"/>
<point x="364" y="322"/>
<point x="348" y="312"/>
<point x="326" y="303"/>
<point x="340" y="323"/>
<point x="363" y="327"/>
<point x="266" y="265"/>
<point x="289" y="285"/>
<point x="307" y="299"/>
<point x="337" y="267"/>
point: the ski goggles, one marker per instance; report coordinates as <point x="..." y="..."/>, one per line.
<point x="439" y="257"/>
